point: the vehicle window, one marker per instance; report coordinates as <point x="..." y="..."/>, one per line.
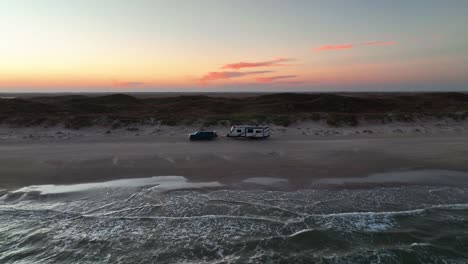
<point x="250" y="131"/>
<point x="258" y="131"/>
<point x="239" y="130"/>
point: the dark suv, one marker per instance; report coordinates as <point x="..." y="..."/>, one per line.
<point x="203" y="135"/>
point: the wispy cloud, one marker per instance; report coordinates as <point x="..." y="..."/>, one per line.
<point x="379" y="43"/>
<point x="272" y="63"/>
<point x="273" y="78"/>
<point x="213" y="76"/>
<point x="330" y="47"/>
<point x="126" y="84"/>
<point x="334" y="47"/>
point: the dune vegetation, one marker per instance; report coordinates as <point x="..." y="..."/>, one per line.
<point x="119" y="110"/>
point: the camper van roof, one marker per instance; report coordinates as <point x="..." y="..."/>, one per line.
<point x="250" y="126"/>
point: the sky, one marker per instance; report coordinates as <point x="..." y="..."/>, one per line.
<point x="233" y="45"/>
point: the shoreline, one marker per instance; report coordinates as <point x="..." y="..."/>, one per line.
<point x="93" y="156"/>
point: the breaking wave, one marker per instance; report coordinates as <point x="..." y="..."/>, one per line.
<point x="171" y="220"/>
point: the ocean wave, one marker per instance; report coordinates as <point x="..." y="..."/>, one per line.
<point x="142" y="224"/>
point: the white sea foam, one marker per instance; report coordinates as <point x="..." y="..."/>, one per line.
<point x="158" y="182"/>
<point x="421" y="245"/>
<point x="369" y="221"/>
<point x="224" y="226"/>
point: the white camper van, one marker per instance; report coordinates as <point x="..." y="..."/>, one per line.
<point x="249" y="131"/>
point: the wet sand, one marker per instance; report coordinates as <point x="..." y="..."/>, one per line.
<point x="288" y="199"/>
<point x="299" y="159"/>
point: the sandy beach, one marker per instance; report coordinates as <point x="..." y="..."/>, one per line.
<point x="301" y="154"/>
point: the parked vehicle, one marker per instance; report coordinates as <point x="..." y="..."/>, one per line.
<point x="249" y="131"/>
<point x="203" y="135"/>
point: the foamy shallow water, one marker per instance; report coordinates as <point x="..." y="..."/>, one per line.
<point x="265" y="180"/>
<point x="163" y="183"/>
<point x="171" y="220"/>
<point x="425" y="177"/>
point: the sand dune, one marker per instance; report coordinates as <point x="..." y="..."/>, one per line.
<point x="120" y="110"/>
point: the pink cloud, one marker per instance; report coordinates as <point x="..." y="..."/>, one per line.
<point x="272" y="63"/>
<point x="273" y="78"/>
<point x="379" y="43"/>
<point x="351" y="46"/>
<point x="213" y="76"/>
<point x="334" y="47"/>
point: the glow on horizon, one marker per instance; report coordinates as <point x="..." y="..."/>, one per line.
<point x="144" y="45"/>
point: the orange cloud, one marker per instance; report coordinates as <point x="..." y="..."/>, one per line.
<point x="334" y="47"/>
<point x="273" y="78"/>
<point x="213" y="76"/>
<point x="271" y="63"/>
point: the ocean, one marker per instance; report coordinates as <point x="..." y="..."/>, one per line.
<point x="259" y="220"/>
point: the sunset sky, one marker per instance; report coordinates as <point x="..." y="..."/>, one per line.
<point x="237" y="45"/>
